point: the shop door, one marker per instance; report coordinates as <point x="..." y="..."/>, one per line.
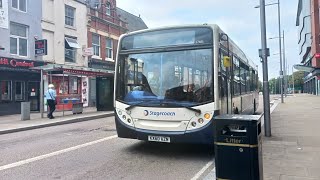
<point x="34" y="95"/>
<point x="104" y="93"/>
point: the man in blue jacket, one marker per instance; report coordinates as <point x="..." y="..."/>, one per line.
<point x="51" y="100"/>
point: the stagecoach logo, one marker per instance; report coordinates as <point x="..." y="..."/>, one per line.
<point x="154" y="113"/>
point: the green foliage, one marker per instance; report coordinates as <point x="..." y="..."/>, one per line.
<point x="274" y="84"/>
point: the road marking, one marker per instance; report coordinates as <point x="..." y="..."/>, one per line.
<point x="211" y="175"/>
<point x="195" y="177"/>
<point x="27" y="161"/>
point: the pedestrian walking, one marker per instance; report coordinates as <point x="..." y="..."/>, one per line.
<point x="51" y="100"/>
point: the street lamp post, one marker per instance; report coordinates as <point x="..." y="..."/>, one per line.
<point x="284" y="66"/>
<point x="279" y="31"/>
<point x="281" y="71"/>
<point x="264" y="56"/>
<point x="292" y="81"/>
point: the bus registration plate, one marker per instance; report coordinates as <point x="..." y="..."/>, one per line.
<point x="159" y="139"/>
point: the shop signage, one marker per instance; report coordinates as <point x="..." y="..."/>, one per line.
<point x="19" y="63"/>
<point x="40" y="47"/>
<point x="99" y="64"/>
<point x="88" y="51"/>
<point x="80" y="72"/>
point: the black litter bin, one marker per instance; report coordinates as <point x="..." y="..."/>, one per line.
<point x="238" y="147"/>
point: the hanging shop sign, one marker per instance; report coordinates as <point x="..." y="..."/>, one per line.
<point x="40" y="47"/>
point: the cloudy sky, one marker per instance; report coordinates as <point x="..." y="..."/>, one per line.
<point x="238" y="18"/>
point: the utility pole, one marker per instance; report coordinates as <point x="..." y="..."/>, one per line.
<point x="284" y="66"/>
<point x="280" y="50"/>
<point x="292" y="80"/>
<point x="264" y="53"/>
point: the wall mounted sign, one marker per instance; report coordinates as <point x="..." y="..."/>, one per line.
<point x="40" y="47"/>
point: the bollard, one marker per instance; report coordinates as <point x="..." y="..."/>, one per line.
<point x="25" y="111"/>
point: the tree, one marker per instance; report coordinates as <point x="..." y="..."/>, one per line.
<point x="274" y="87"/>
<point x="298" y="80"/>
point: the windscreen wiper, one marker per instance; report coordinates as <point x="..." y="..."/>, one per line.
<point x="136" y="104"/>
<point x="187" y="107"/>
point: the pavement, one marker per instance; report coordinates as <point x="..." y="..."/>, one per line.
<point x="293" y="151"/>
<point x="13" y="123"/>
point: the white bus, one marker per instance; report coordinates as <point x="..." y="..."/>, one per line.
<point x="171" y="82"/>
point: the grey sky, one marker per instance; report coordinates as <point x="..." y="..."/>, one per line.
<point x="238" y="18"/>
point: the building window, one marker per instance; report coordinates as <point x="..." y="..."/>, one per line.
<point x="109" y="49"/>
<point x="108" y="9"/>
<point x="6" y="87"/>
<point x="71" y="46"/>
<point x="96" y="44"/>
<point x="20" y="91"/>
<point x="18" y="39"/>
<point x="20" y="5"/>
<point x="69" y="15"/>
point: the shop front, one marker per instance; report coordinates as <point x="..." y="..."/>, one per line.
<point x="101" y="89"/>
<point x="18" y="83"/>
<point x="71" y="83"/>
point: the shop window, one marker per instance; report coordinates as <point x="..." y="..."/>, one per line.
<point x="6" y="87"/>
<point x="20" y="91"/>
<point x="18" y="39"/>
<point x="73" y="85"/>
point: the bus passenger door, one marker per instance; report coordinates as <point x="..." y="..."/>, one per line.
<point x="225" y="86"/>
<point x="223" y="94"/>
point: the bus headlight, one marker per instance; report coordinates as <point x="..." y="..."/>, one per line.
<point x="193" y="124"/>
<point x="124" y="117"/>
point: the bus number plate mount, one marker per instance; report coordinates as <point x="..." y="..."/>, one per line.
<point x="159" y="139"/>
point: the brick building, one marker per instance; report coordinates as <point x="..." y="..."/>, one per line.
<point x="308" y="39"/>
<point x="106" y="23"/>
